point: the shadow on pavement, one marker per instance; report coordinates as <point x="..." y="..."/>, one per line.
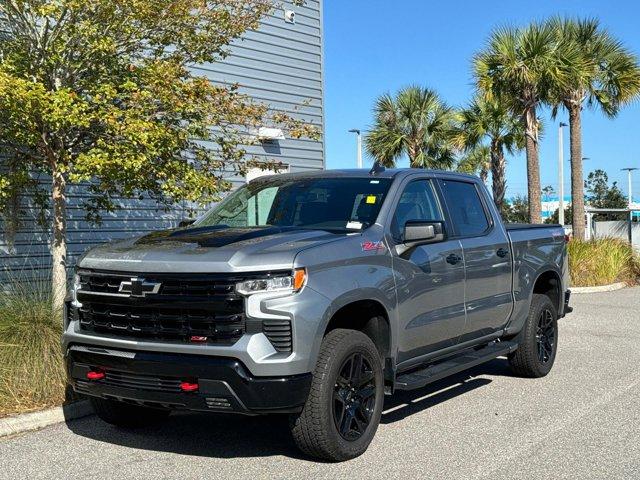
<point x="405" y="403"/>
<point x="232" y="436"/>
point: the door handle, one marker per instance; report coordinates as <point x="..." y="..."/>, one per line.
<point x="453" y="259"/>
<point x="502" y="252"/>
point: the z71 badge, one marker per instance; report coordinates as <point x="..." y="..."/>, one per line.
<point x="372" y="246"/>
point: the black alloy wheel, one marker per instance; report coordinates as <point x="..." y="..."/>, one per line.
<point x="538" y="339"/>
<point x="354" y="397"/>
<point x="545" y="336"/>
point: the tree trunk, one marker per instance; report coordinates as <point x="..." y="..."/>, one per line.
<point x="59" y="244"/>
<point x="577" y="176"/>
<point x="498" y="176"/>
<point x="412" y="153"/>
<point x="484" y="174"/>
<point x="533" y="167"/>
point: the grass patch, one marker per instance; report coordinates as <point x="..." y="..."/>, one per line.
<point x="32" y="373"/>
<point x="601" y="262"/>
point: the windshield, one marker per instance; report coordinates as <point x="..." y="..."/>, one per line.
<point x="323" y="203"/>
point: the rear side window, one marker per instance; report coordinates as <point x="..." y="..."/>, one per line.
<point x="467" y="212"/>
<point x="417" y="203"/>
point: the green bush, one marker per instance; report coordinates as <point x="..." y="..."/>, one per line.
<point x="602" y="262"/>
<point x="31" y="369"/>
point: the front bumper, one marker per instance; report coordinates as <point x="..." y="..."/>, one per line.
<point x="153" y="379"/>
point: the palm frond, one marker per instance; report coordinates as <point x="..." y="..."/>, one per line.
<point x="413" y="122"/>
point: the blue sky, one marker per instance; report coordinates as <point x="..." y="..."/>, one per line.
<point x="375" y="46"/>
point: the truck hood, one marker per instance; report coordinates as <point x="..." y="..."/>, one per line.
<point x="208" y="249"/>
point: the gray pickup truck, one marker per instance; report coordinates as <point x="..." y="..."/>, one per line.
<point x="314" y="295"/>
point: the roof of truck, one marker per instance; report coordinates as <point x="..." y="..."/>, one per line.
<point x="364" y="173"/>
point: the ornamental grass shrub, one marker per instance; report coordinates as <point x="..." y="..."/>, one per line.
<point x="602" y="261"/>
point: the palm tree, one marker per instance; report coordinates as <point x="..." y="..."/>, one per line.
<point x="415" y="122"/>
<point x="609" y="78"/>
<point x="492" y="121"/>
<point x="518" y="67"/>
<point x="476" y="161"/>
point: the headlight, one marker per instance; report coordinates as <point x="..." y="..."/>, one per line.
<point x="74" y="291"/>
<point x="290" y="283"/>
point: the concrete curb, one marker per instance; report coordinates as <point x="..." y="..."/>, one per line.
<point x="601" y="288"/>
<point x="36" y="420"/>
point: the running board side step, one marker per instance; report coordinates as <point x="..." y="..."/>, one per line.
<point x="450" y="366"/>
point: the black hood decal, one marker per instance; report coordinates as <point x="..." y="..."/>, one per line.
<point x="216" y="236"/>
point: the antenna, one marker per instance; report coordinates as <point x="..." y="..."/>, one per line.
<point x="377" y="168"/>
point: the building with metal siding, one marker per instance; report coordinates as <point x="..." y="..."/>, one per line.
<point x="280" y="65"/>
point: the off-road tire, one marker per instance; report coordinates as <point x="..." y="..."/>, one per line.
<point x="526" y="361"/>
<point x="315" y="429"/>
<point x="125" y="415"/>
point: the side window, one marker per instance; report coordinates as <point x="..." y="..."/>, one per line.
<point x="418" y="203"/>
<point x="467" y="212"/>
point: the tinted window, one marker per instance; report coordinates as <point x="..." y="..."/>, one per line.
<point x="325" y="203"/>
<point x="467" y="212"/>
<point x="417" y="203"/>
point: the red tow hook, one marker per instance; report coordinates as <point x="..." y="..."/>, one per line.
<point x="95" y="375"/>
<point x="189" y="386"/>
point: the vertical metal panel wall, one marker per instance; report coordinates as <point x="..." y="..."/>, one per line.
<point x="280" y="65"/>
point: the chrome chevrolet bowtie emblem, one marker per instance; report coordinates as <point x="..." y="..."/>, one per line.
<point x="139" y="287"/>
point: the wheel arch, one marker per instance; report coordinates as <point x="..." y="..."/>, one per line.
<point x="549" y="283"/>
<point x="368" y="316"/>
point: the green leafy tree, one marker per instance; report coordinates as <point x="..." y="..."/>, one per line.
<point x="519" y="66"/>
<point x="608" y="78"/>
<point x="601" y="195"/>
<point x="491" y="121"/>
<point x="101" y="91"/>
<point x="555" y="217"/>
<point x="516" y="211"/>
<point x="415" y="122"/>
<point x="476" y="161"/>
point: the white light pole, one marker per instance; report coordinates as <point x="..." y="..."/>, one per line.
<point x="560" y="175"/>
<point x="629" y="170"/>
<point x="359" y="140"/>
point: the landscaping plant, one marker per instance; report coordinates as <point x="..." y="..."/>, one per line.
<point x="602" y="262"/>
<point x="31" y="369"/>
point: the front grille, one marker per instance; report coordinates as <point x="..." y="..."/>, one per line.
<point x="201" y="308"/>
<point x="279" y="334"/>
<point x="133" y="381"/>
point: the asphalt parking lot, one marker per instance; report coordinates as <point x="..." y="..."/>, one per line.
<point x="581" y="421"/>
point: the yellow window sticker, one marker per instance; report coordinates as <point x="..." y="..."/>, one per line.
<point x="371" y="199"/>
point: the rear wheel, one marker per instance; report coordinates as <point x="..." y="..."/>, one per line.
<point x="125" y="415"/>
<point x="538" y="341"/>
<point x="344" y="406"/>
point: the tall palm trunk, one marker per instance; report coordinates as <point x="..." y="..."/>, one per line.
<point x="533" y="167"/>
<point x="484" y="174"/>
<point x="577" y="175"/>
<point x="412" y="152"/>
<point x="498" y="176"/>
<point x="59" y="244"/>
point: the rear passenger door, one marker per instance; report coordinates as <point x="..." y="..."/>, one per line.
<point x="429" y="278"/>
<point x="488" y="298"/>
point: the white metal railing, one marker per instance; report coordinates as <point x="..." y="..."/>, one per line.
<point x="590" y="212"/>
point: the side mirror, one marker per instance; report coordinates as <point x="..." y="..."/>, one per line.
<point x="186" y="223"/>
<point x="421" y="233"/>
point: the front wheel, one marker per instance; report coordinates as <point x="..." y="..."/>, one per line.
<point x="538" y="341"/>
<point x="342" y="413"/>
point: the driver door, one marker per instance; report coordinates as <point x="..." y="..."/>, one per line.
<point x="429" y="278"/>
